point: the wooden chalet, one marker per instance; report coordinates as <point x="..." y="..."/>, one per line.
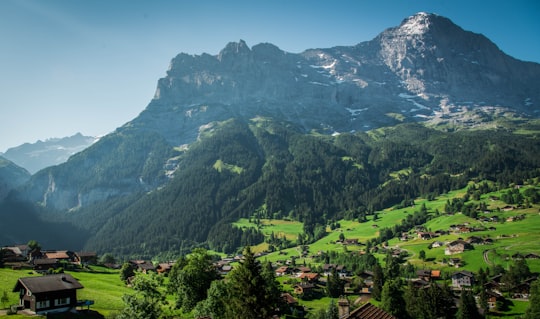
<point x="48" y="294"/>
<point x="462" y="279"/>
<point x="86" y="257"/>
<point x="367" y="311"/>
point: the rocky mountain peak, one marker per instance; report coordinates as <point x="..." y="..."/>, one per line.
<point x="234" y="50"/>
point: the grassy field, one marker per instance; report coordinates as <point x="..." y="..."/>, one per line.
<point x="103" y="286"/>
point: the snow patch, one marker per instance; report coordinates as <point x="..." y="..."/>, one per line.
<point x="318" y="83"/>
<point x="356" y="112"/>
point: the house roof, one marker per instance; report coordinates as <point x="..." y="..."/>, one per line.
<point x="369" y="311"/>
<point x="48" y="283"/>
<point x="57" y="255"/>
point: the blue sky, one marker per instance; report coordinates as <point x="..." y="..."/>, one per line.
<point x="69" y="66"/>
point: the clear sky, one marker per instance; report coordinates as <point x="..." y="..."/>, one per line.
<point x="69" y="66"/>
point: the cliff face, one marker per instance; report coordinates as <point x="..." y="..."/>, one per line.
<point x="426" y="69"/>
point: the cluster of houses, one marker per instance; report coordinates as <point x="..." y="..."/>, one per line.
<point x="48" y="259"/>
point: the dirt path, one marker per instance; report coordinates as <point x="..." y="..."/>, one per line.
<point x="486" y="257"/>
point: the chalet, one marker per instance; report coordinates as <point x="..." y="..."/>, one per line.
<point x="86" y="258"/>
<point x="45" y="264"/>
<point x="492" y="298"/>
<point x="143" y="266"/>
<point x="304" y="288"/>
<point x="437" y="244"/>
<point x="48" y="294"/>
<point x="60" y="255"/>
<point x="309" y="277"/>
<point x="462" y="279"/>
<point x="340" y="269"/>
<point x="165" y="268"/>
<point x="282" y="271"/>
<point x="456" y="262"/>
<point x="428" y="275"/>
<point x="457" y="247"/>
<point x="474" y="240"/>
<point x="366" y="311"/>
<point x="12" y="254"/>
<point x="292" y="304"/>
<point x="426" y="235"/>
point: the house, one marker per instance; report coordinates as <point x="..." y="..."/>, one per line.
<point x="48" y="294"/>
<point x="428" y="275"/>
<point x="437" y="244"/>
<point x="143" y="266"/>
<point x="474" y="240"/>
<point x="462" y="279"/>
<point x="164" y="268"/>
<point x="45" y="264"/>
<point x="304" y="289"/>
<point x="60" y="255"/>
<point x="492" y="298"/>
<point x="309" y="276"/>
<point x="282" y="271"/>
<point x="456" y="262"/>
<point x="367" y="311"/>
<point x="457" y="247"/>
<point x="13" y="254"/>
<point x="86" y="258"/>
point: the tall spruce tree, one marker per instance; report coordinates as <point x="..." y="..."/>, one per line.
<point x="533" y="311"/>
<point x="249" y="296"/>
<point x="392" y="298"/>
<point x="467" y="306"/>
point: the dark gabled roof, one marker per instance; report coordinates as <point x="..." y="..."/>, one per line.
<point x="57" y="282"/>
<point x="369" y="311"/>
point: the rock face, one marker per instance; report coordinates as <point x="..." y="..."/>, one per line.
<point x="41" y="154"/>
<point x="426" y="69"/>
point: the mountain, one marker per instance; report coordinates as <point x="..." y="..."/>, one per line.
<point x="11" y="177"/>
<point x="262" y="130"/>
<point x="54" y="151"/>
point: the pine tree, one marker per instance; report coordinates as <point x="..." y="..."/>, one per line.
<point x="392" y="298"/>
<point x="378" y="282"/>
<point x="533" y="311"/>
<point x="467" y="306"/>
<point x="250" y="298"/>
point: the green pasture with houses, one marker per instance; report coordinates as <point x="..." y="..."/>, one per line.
<point x="510" y="237"/>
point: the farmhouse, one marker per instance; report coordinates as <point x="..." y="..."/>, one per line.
<point x="462" y="279"/>
<point x="457" y="247"/>
<point x="47" y="294"/>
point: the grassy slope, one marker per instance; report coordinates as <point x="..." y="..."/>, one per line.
<point x="103" y="286"/>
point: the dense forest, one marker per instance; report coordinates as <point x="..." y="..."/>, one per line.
<point x="265" y="169"/>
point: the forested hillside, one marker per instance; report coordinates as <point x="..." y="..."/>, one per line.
<point x="266" y="169"/>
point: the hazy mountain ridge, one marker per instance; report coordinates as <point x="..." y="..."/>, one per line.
<point x="54" y="151"/>
<point x="11" y="176"/>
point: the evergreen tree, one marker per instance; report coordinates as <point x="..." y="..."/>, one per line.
<point x="533" y="311"/>
<point x="249" y="298"/>
<point x="334" y="285"/>
<point x="378" y="282"/>
<point x="467" y="306"/>
<point x="214" y="306"/>
<point x="392" y="300"/>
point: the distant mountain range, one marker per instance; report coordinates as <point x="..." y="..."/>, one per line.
<point x="252" y="114"/>
<point x="36" y="156"/>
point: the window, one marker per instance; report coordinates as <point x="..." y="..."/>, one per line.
<point x="42" y="304"/>
<point x="61" y="301"/>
